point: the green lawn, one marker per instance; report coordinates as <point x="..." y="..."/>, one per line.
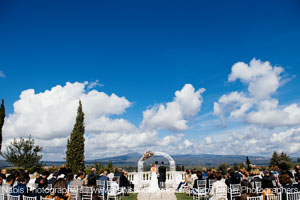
<point x="182" y="196"/>
<point x="132" y="196"/>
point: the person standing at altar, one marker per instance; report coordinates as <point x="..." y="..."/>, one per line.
<point x="157" y="166"/>
<point x="162" y="170"/>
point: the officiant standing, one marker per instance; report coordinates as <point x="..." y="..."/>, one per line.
<point x="162" y="170"/>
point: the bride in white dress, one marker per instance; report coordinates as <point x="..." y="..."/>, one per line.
<point x="154" y="181"/>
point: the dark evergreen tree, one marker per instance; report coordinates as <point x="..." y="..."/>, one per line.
<point x="235" y="166"/>
<point x="223" y="167"/>
<point x="75" y="144"/>
<point x="2" y="117"/>
<point x="23" y="153"/>
<point x="98" y="165"/>
<point x="275" y="159"/>
<point x="109" y="164"/>
<point x="248" y="162"/>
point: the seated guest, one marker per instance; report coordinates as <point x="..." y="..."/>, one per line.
<point x="20" y="189"/>
<point x="1" y="181"/>
<point x="60" y="189"/>
<point x="199" y="178"/>
<point x="70" y="178"/>
<point x="3" y="174"/>
<point x="127" y="183"/>
<point x="111" y="175"/>
<point x="79" y="180"/>
<point x="267" y="183"/>
<point x="286" y="184"/>
<point x="52" y="178"/>
<point x="42" y="189"/>
<point x="114" y="187"/>
<point x="186" y="180"/>
<point x="63" y="170"/>
<point x="91" y="180"/>
<point x="255" y="176"/>
<point x="103" y="176"/>
<point x="6" y="188"/>
<point x="218" y="190"/>
<point x="234" y="177"/>
<point x="247" y="190"/>
<point x="37" y="180"/>
<point x="46" y="171"/>
<point x="119" y="173"/>
<point x="297" y="176"/>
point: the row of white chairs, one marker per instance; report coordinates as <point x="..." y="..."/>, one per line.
<point x="86" y="193"/>
<point x="11" y="197"/>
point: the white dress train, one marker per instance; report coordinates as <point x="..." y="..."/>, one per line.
<point x="154" y="182"/>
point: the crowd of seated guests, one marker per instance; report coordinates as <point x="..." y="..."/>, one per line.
<point x="55" y="184"/>
<point x="275" y="181"/>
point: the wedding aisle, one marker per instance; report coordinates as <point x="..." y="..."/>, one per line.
<point x="166" y="195"/>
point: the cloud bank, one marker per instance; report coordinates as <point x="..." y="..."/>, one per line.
<point x="49" y="117"/>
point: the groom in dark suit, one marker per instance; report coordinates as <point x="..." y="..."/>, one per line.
<point x="162" y="170"/>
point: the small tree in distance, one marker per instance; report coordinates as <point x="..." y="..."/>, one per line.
<point x="23" y="153"/>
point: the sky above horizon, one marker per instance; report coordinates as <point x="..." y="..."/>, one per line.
<point x="217" y="77"/>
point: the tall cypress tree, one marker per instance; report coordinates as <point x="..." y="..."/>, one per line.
<point x="75" y="144"/>
<point x="2" y="116"/>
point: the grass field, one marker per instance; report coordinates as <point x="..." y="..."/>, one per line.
<point x="182" y="196"/>
<point x="132" y="196"/>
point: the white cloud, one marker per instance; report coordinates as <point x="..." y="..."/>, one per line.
<point x="208" y="140"/>
<point x="2" y="75"/>
<point x="251" y="141"/>
<point x="257" y="105"/>
<point x="174" y="115"/>
<point x="49" y="117"/>
<point x="51" y="114"/>
<point x="94" y="84"/>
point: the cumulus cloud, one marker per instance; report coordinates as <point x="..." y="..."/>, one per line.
<point x="256" y="105"/>
<point x="174" y="115"/>
<point x="2" y="75"/>
<point x="49" y="117"/>
<point x="252" y="141"/>
<point x="50" y="114"/>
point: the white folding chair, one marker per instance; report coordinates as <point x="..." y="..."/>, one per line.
<point x="11" y="197"/>
<point x="112" y="194"/>
<point x="255" y="198"/>
<point x="86" y="193"/>
<point x="2" y="197"/>
<point x="273" y="196"/>
<point x="73" y="191"/>
<point x="258" y="188"/>
<point x="102" y="187"/>
<point x="210" y="182"/>
<point x="200" y="191"/>
<point x="235" y="191"/>
<point x="293" y="195"/>
<point x="29" y="198"/>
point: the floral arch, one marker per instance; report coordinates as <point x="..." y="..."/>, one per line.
<point x="149" y="154"/>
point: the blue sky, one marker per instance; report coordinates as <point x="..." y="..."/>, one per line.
<point x="147" y="50"/>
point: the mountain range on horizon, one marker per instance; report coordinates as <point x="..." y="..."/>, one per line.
<point x="187" y="160"/>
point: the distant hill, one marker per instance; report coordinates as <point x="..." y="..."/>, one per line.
<point x="186" y="160"/>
